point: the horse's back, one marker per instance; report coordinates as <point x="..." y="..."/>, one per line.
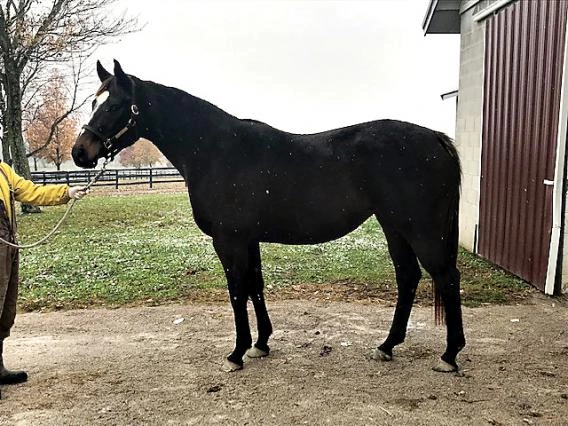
<point x="386" y="160"/>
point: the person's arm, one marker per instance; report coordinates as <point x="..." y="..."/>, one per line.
<point x="25" y="191"/>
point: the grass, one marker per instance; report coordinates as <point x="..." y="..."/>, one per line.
<point x="146" y="249"/>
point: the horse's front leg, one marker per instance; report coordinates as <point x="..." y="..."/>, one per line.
<point x="234" y="257"/>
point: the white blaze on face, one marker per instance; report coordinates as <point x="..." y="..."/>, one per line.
<point x="100" y="99"/>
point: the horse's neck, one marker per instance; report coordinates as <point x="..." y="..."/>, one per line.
<point x="178" y="123"/>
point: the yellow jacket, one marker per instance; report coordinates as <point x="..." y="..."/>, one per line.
<point x="28" y="192"/>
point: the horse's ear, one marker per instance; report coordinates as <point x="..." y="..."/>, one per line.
<point x="122" y="79"/>
<point x="103" y="74"/>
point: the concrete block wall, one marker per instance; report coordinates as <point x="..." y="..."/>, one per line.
<point x="469" y="123"/>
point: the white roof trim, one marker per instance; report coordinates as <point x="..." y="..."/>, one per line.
<point x="482" y="14"/>
<point x="429" y="13"/>
<point x="442" y="17"/>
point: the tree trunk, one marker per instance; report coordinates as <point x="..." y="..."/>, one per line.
<point x="13" y="131"/>
<point x="58" y="160"/>
<point x="5" y="146"/>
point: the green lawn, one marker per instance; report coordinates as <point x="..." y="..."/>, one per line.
<point x="147" y="249"/>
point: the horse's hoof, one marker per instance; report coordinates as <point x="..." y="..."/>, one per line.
<point x="8" y="377"/>
<point x="445" y="367"/>
<point x="230" y="366"/>
<point x="379" y="355"/>
<point x="254" y="352"/>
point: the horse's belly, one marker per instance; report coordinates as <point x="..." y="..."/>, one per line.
<point x="297" y="229"/>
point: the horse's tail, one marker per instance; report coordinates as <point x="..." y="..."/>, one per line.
<point x="452" y="218"/>
<point x="448" y="144"/>
<point x="454" y="196"/>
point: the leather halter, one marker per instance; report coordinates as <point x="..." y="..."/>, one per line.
<point x="109" y="141"/>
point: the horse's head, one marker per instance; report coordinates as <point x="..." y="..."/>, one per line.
<point x="113" y="119"/>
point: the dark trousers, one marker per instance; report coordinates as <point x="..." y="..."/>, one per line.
<point x="9" y="266"/>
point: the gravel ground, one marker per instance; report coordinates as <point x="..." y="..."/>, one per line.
<point x="140" y="366"/>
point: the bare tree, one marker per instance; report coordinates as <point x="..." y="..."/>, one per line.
<point x="36" y="35"/>
<point x="67" y="80"/>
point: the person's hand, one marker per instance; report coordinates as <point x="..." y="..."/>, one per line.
<point x="76" y="192"/>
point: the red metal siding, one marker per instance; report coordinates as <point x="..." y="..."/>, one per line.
<point x="523" y="77"/>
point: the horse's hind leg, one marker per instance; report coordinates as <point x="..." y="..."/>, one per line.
<point x="441" y="265"/>
<point x="256" y="294"/>
<point x="407" y="277"/>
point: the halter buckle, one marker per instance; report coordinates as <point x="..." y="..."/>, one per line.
<point x="108" y="144"/>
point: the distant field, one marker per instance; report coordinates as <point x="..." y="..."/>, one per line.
<point x="117" y="250"/>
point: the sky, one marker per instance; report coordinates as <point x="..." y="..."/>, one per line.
<point x="299" y="65"/>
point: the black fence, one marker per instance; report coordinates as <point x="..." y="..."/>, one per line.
<point x="111" y="177"/>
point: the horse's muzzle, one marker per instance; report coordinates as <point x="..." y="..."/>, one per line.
<point x="81" y="157"/>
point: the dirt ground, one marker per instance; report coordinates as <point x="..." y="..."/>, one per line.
<point x="139" y="365"/>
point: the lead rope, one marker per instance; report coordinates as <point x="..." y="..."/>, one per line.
<point x="69" y="208"/>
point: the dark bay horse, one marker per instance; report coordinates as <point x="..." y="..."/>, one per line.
<point x="249" y="183"/>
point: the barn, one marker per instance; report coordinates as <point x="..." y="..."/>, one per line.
<point x="511" y="132"/>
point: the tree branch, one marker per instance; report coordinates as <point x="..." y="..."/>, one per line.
<point x="77" y="68"/>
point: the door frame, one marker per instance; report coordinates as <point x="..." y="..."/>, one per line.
<point x="559" y="176"/>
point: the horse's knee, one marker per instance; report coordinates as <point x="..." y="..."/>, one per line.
<point x="238" y="300"/>
<point x="409" y="275"/>
<point x="256" y="297"/>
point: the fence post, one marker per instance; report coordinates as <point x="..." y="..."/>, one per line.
<point x="116" y="179"/>
<point x="151" y="178"/>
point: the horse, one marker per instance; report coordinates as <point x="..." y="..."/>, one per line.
<point x="249" y="183"/>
